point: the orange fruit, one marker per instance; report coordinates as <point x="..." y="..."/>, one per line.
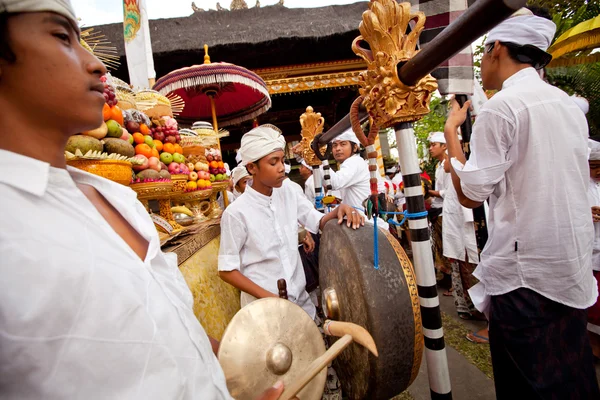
<point x="221" y="164"/>
<point x="106" y="112"/>
<point x="138" y="138"/>
<point x="155" y="153"/>
<point x="116" y="114"/>
<point x="144" y="130"/>
<point x="144" y="150"/>
<point x="178" y="149"/>
<point x="169" y="148"/>
<point x="214" y="164"/>
<point x="158" y="145"/>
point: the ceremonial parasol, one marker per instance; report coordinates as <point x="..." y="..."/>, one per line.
<point x="225" y="91"/>
<point x="583" y="36"/>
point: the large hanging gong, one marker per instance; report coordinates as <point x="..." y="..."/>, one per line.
<point x="384" y="301"/>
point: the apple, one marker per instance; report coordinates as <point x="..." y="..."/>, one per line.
<point x="126" y="135"/>
<point x="179" y="158"/>
<point x="144" y="165"/>
<point x="219" y="177"/>
<point x="166" y="158"/>
<point x="159" y="136"/>
<point x="199" y="166"/>
<point x="191" y="166"/>
<point x="173" y="167"/>
<point x="149" y="141"/>
<point x="209" y="158"/>
<point x="163" y="166"/>
<point x="184" y="168"/>
<point x="132" y="126"/>
<point x="212" y="178"/>
<point x="193" y="176"/>
<point x="154" y="163"/>
<point x="170" y="139"/>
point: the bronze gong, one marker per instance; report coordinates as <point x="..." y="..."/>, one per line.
<point x="383" y="301"/>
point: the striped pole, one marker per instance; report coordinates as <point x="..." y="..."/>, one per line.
<point x="326" y="175"/>
<point x="435" y="348"/>
<point x="380" y="165"/>
<point x="318" y="188"/>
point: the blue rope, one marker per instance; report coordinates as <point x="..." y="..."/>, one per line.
<point x="319" y="202"/>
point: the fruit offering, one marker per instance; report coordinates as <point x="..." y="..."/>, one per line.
<point x="216" y="166"/>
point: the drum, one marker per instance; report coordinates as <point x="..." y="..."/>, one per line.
<point x="384" y="301"/>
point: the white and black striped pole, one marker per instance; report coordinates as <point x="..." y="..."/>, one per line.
<point x="435" y="348"/>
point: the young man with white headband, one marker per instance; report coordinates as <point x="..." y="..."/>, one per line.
<point x="90" y="307"/>
<point x="240" y="178"/>
<point x="529" y="158"/>
<point x="261" y="246"/>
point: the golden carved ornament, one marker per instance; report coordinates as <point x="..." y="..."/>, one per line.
<point x="312" y="124"/>
<point x="386" y="98"/>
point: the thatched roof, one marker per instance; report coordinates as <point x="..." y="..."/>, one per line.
<point x="253" y="38"/>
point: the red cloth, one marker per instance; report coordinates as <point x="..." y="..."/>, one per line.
<point x="594" y="311"/>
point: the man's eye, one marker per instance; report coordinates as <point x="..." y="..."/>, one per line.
<point x="63" y="36"/>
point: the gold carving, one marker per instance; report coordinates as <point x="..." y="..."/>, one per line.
<point x="312" y="124"/>
<point x="386" y="98"/>
<point x="313" y="82"/>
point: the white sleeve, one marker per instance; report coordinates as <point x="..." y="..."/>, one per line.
<point x="308" y="216"/>
<point x="346" y="176"/>
<point x="233" y="237"/>
<point x="492" y="138"/>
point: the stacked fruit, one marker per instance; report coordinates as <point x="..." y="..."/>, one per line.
<point x="217" y="170"/>
<point x="110" y="137"/>
<point x="199" y="176"/>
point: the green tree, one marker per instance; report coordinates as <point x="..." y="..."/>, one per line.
<point x="432" y="122"/>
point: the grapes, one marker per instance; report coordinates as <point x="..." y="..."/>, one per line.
<point x="110" y="95"/>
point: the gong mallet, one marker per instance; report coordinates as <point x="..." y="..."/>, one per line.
<point x="348" y="333"/>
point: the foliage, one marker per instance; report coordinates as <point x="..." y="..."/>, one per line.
<point x="432" y="122"/>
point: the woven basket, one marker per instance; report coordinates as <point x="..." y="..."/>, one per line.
<point x="153" y="190"/>
<point x="114" y="170"/>
<point x="179" y="182"/>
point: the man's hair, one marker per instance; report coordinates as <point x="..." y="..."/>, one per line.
<point x="355" y="148"/>
<point x="6" y="52"/>
<point x="531" y="55"/>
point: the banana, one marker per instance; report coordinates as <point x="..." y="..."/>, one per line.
<point x="183" y="210"/>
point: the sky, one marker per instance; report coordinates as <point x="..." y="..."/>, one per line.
<point x="99" y="12"/>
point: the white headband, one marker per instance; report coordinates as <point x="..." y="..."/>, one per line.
<point x="524" y="30"/>
<point x="259" y="142"/>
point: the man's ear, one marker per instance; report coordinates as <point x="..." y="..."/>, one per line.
<point x="251" y="167"/>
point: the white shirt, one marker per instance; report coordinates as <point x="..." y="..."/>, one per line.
<point x="352" y="181"/>
<point x="230" y="199"/>
<point x="594" y="199"/>
<point x="442" y="180"/>
<point x="81" y="316"/>
<point x="458" y="229"/>
<point x="309" y="189"/>
<point x="529" y="157"/>
<point x="259" y="238"/>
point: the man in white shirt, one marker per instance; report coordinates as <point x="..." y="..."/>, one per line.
<point x="90" y="307"/>
<point x="594" y="200"/>
<point x="259" y="231"/>
<point x="529" y="152"/>
<point x="437" y="149"/>
<point x="309" y="183"/>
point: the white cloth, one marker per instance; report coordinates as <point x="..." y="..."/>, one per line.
<point x="352" y="181"/>
<point x="309" y="189"/>
<point x="230" y="199"/>
<point x="347" y="135"/>
<point x="594" y="199"/>
<point x="530" y="144"/>
<point x="442" y="180"/>
<point x="594" y="153"/>
<point x="263" y="244"/>
<point x="524" y="30"/>
<point x="436" y="137"/>
<point x="238" y="173"/>
<point x="238" y="157"/>
<point x="62" y="7"/>
<point x="458" y="229"/>
<point x="288" y="168"/>
<point x="582" y="103"/>
<point x="259" y="142"/>
<point x="399" y="198"/>
<point x="81" y="316"/>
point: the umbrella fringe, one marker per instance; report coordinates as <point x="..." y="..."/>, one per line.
<point x="246" y="117"/>
<point x="184" y="83"/>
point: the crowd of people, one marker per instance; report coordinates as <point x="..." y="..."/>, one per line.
<point x="90" y="307"/>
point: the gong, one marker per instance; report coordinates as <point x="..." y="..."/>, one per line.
<point x="384" y="301"/>
<point x="267" y="341"/>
